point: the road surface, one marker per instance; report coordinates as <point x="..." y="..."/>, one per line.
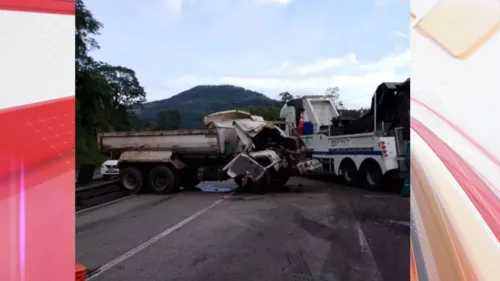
<point x="316" y="231"/>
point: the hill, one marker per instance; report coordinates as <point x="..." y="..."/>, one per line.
<point x="199" y="101"/>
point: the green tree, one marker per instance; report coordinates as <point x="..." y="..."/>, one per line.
<point x="86" y="26"/>
<point x="334" y="93"/>
<point x="139" y="124"/>
<point x="285" y="97"/>
<point x="168" y="120"/>
<point x="269" y="113"/>
<point x="104" y="94"/>
<point x="125" y="88"/>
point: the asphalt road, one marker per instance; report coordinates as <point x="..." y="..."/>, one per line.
<point x="316" y="231"/>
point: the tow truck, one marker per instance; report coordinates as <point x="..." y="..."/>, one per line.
<point x="365" y="152"/>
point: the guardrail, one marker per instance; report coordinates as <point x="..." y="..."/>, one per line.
<point x="97" y="189"/>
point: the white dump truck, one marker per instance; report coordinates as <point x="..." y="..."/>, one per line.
<point x="364" y="151"/>
<point x="235" y="144"/>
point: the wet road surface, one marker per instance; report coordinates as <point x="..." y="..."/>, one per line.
<point x="316" y="231"/>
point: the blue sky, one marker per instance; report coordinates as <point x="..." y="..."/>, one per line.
<point x="270" y="46"/>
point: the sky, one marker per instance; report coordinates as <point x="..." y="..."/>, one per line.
<point x="269" y="46"/>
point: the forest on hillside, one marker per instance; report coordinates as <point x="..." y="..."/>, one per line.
<point x="199" y="101"/>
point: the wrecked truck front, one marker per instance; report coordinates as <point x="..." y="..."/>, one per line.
<point x="245" y="165"/>
<point x="266" y="147"/>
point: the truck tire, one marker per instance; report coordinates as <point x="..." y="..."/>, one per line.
<point x="283" y="180"/>
<point x="238" y="181"/>
<point x="348" y="172"/>
<point x="260" y="187"/>
<point x="131" y="179"/>
<point x="162" y="180"/>
<point x="280" y="179"/>
<point x="370" y="175"/>
<point x="263" y="185"/>
<point x="392" y="181"/>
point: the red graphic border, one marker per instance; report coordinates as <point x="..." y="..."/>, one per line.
<point x="64" y="7"/>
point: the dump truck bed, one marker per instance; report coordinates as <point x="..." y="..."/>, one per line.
<point x="182" y="141"/>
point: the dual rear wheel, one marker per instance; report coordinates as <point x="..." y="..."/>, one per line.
<point x="161" y="179"/>
<point x="368" y="176"/>
<point x="131" y="179"/>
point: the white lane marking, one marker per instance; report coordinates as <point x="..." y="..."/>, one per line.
<point x="368" y="255"/>
<point x="104" y="204"/>
<point x="150" y="242"/>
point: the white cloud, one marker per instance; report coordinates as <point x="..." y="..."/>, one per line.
<point x="314" y="84"/>
<point x="319" y="66"/>
<point x="392" y="62"/>
<point x="356" y="87"/>
<point x="348" y="62"/>
<point x="326" y="64"/>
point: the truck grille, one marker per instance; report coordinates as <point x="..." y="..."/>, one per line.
<point x="243" y="164"/>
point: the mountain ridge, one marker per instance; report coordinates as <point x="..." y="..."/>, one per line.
<point x="193" y="104"/>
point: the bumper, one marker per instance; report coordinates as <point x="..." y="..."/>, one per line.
<point x="110" y="172"/>
<point x="309" y="167"/>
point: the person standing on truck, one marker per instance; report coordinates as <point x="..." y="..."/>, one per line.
<point x="300" y="125"/>
<point x="406" y="186"/>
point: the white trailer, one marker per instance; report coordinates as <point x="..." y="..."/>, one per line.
<point x="366" y="158"/>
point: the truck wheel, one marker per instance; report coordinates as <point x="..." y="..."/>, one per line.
<point x="371" y="176"/>
<point x="242" y="188"/>
<point x="162" y="180"/>
<point x="392" y="181"/>
<point x="280" y="179"/>
<point x="263" y="185"/>
<point x="238" y="181"/>
<point x="348" y="172"/>
<point x="131" y="179"/>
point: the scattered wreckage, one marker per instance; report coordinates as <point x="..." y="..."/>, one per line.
<point x="257" y="154"/>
